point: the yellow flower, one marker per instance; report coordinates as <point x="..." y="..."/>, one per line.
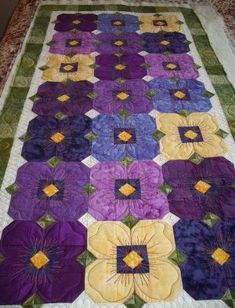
<point x="185" y="136"/>
<point x="123" y="268"/>
<point x="167" y="23"/>
<point x="63" y="67"/>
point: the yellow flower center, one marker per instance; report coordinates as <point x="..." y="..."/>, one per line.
<point x="118" y="43"/>
<point x="68" y="67"/>
<point x="57" y="137"/>
<point x="164" y="42"/>
<point x="73" y="43"/>
<point x="122" y="96"/>
<point x="202" y="187"/>
<point x="63" y="98"/>
<point x="39" y="259"/>
<point x="127" y="190"/>
<point x="133" y="259"/>
<point x="190" y="134"/>
<point x="50" y="190"/>
<point x="220" y="256"/>
<point x="179" y="94"/>
<point x="120" y="67"/>
<point x="124" y="136"/>
<point x="76" y="22"/>
<point x="117" y="23"/>
<point x="171" y="66"/>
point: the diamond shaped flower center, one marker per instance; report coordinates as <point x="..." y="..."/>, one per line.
<point x="202" y="187"/>
<point x="124" y="136"/>
<point x="164" y="42"/>
<point x="179" y="94"/>
<point x="68" y="67"/>
<point x="171" y="66"/>
<point x="159" y="23"/>
<point x="73" y="43"/>
<point x="127" y="190"/>
<point x="122" y="95"/>
<point x="63" y="98"/>
<point x="190" y="134"/>
<point x="120" y="67"/>
<point x="39" y="259"/>
<point x="57" y="137"/>
<point x="133" y="259"/>
<point x="50" y="190"/>
<point x="76" y="22"/>
<point x="118" y="43"/>
<point x="220" y="256"/>
<point x="117" y="23"/>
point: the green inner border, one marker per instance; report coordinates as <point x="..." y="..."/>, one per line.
<point x="14" y="102"/>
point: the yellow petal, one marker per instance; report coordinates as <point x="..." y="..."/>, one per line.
<point x="211" y="146"/>
<point x="84" y="60"/>
<point x="56" y="60"/>
<point x="53" y="74"/>
<point x="157" y="235"/>
<point x="104" y="285"/>
<point x="205" y="121"/>
<point x="163" y="282"/>
<point x="103" y="238"/>
<point x="168" y="123"/>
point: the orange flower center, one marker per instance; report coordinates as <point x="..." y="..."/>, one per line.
<point x="133" y="259"/>
<point x="39" y="260"/>
<point x="220" y="256"/>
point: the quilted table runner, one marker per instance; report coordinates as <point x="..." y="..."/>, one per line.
<point x="117" y="153"/>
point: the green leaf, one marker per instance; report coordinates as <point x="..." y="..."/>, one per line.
<point x="54" y="161"/>
<point x="176" y="79"/>
<point x="70" y="54"/>
<point x="60" y="115"/>
<point x="157" y="15"/>
<point x="127" y="161"/>
<point x="25" y="137"/>
<point x="34" y="98"/>
<point x="196" y="159"/>
<point x="142" y="43"/>
<point x="119" y="54"/>
<point x="167" y="53"/>
<point x="50" y="43"/>
<point x="184" y="113"/>
<point x="150" y="94"/>
<point x="33" y="301"/>
<point x="89" y="189"/>
<point x="166" y="188"/>
<point x="67" y="81"/>
<point x="12" y="189"/>
<point x="120" y="80"/>
<point x="44" y="67"/>
<point x="179" y="22"/>
<point x="145" y="65"/>
<point x="188" y="42"/>
<point x="209" y="94"/>
<point x="210" y="219"/>
<point x="45" y="221"/>
<point x="94" y="66"/>
<point x="91" y="137"/>
<point x="221" y="133"/>
<point x="124" y="113"/>
<point x="74" y="31"/>
<point x="134" y="302"/>
<point x="130" y="221"/>
<point x="2" y="258"/>
<point x="229" y="298"/>
<point x="118" y="32"/>
<point x="197" y="66"/>
<point x="86" y="258"/>
<point x="158" y="135"/>
<point x="92" y="95"/>
<point x="177" y="257"/>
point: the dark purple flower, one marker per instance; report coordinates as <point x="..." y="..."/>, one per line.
<point x="130" y="95"/>
<point x="208" y="270"/>
<point x="58" y="192"/>
<point x="64" y="139"/>
<point x="111" y="67"/>
<point x="126" y="43"/>
<point x="41" y="262"/>
<point x="71" y="99"/>
<point x="203" y="188"/>
<point x="118" y="22"/>
<point x="168" y="42"/>
<point x="81" y="22"/>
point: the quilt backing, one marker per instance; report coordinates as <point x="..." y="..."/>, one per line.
<point x="119" y="187"/>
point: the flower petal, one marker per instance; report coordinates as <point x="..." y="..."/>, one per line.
<point x="169" y="123"/>
<point x="211" y="147"/>
<point x="174" y="148"/>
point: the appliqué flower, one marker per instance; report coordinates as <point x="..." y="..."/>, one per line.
<point x="78" y="43"/>
<point x="208" y="271"/>
<point x="117" y="22"/>
<point x="111" y="67"/>
<point x="154" y="24"/>
<point x="185" y="136"/>
<point x="179" y="66"/>
<point x="60" y="68"/>
<point x="118" y="137"/>
<point x="41" y="262"/>
<point x="130" y="95"/>
<point x="81" y="22"/>
<point x="168" y="42"/>
<point x="121" y="191"/>
<point x="201" y="189"/>
<point x="70" y="99"/>
<point x="132" y="261"/>
<point x="62" y="138"/>
<point x="58" y="192"/>
<point x="175" y="96"/>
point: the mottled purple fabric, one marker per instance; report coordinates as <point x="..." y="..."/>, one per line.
<point x="77" y="102"/>
<point x="203" y="277"/>
<point x="87" y="22"/>
<point x="60" y="280"/>
<point x="68" y="204"/>
<point x="147" y="202"/>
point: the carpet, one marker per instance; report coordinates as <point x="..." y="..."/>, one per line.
<point x="117" y="159"/>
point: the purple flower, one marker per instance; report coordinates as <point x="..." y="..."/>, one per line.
<point x="130" y="95"/>
<point x="111" y="67"/>
<point x="126" y="43"/>
<point x="208" y="270"/>
<point x="121" y="191"/>
<point x="51" y="137"/>
<point x="70" y="99"/>
<point x="58" y="192"/>
<point x="65" y="43"/>
<point x="175" y="96"/>
<point x="41" y="262"/>
<point x="118" y="137"/>
<point x="203" y="188"/>
<point x="81" y="22"/>
<point x="168" y="42"/>
<point x="118" y="22"/>
<point x="180" y="66"/>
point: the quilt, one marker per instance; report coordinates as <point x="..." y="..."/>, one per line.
<point x="117" y="162"/>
